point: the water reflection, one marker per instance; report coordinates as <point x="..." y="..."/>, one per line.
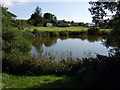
<point x="39" y="42"/>
<point x="68" y="47"/>
<point x="114" y="42"/>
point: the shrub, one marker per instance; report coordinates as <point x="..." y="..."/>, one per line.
<point x="102" y="72"/>
<point x="12" y="62"/>
<point x="37" y="33"/>
<point x="45" y="34"/>
<point x="13" y="39"/>
<point x="18" y="63"/>
<point x="93" y="31"/>
<point x="83" y="32"/>
<point x="28" y="34"/>
<point x="116" y="29"/>
<point x="63" y="33"/>
<point x="74" y="33"/>
<point x="54" y="33"/>
<point x="103" y="33"/>
<point x="49" y="66"/>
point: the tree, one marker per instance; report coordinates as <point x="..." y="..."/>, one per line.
<point x="6" y="17"/>
<point x="48" y="17"/>
<point x="12" y="39"/>
<point x="99" y="9"/>
<point x="81" y="24"/>
<point x="36" y="17"/>
<point x="72" y="22"/>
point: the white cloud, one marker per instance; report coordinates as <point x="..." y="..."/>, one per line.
<point x="7" y="3"/>
<point x="11" y="3"/>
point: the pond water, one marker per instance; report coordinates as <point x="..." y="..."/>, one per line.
<point x="68" y="47"/>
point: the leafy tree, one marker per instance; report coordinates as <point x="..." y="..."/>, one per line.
<point x="48" y="17"/>
<point x="21" y="23"/>
<point x="81" y="24"/>
<point x="6" y="17"/>
<point x="99" y="9"/>
<point x="12" y="39"/>
<point x="72" y="22"/>
<point x="36" y="17"/>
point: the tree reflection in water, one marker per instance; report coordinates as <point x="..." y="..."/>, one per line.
<point x="63" y="47"/>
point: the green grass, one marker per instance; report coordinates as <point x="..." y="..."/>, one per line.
<point x="12" y="81"/>
<point x="106" y="30"/>
<point x="47" y="81"/>
<point x="58" y="28"/>
<point x="70" y="29"/>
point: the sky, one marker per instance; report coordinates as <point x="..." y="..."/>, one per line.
<point x="76" y="11"/>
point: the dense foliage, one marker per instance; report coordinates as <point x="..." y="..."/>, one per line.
<point x="93" y="31"/>
<point x="50" y="18"/>
<point x="99" y="11"/>
<point x="14" y="46"/>
<point x="36" y="17"/>
<point x="21" y="23"/>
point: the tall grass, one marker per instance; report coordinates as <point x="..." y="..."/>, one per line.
<point x="21" y="64"/>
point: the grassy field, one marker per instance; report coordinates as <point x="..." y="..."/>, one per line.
<point x="58" y="28"/>
<point x="48" y="81"/>
<point x="62" y="29"/>
<point x="67" y="29"/>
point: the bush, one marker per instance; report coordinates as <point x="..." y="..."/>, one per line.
<point x="74" y="33"/>
<point x="93" y="31"/>
<point x="83" y="32"/>
<point x="63" y="33"/>
<point x="37" y="33"/>
<point x="28" y="34"/>
<point x="45" y="34"/>
<point x="103" y="33"/>
<point x="102" y="72"/>
<point x="18" y="63"/>
<point x="13" y="39"/>
<point x="54" y="34"/>
<point x="49" y="66"/>
<point x="12" y="62"/>
<point x="116" y="29"/>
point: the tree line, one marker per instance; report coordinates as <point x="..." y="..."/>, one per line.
<point x="37" y="19"/>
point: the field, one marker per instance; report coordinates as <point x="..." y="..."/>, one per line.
<point x="66" y="29"/>
<point x="58" y="28"/>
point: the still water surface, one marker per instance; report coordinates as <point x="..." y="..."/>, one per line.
<point x="68" y="47"/>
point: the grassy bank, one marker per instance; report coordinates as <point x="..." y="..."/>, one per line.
<point x="97" y="72"/>
<point x="47" y="81"/>
<point x="13" y="81"/>
<point x="101" y="71"/>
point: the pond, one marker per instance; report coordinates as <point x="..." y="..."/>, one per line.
<point x="68" y="47"/>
